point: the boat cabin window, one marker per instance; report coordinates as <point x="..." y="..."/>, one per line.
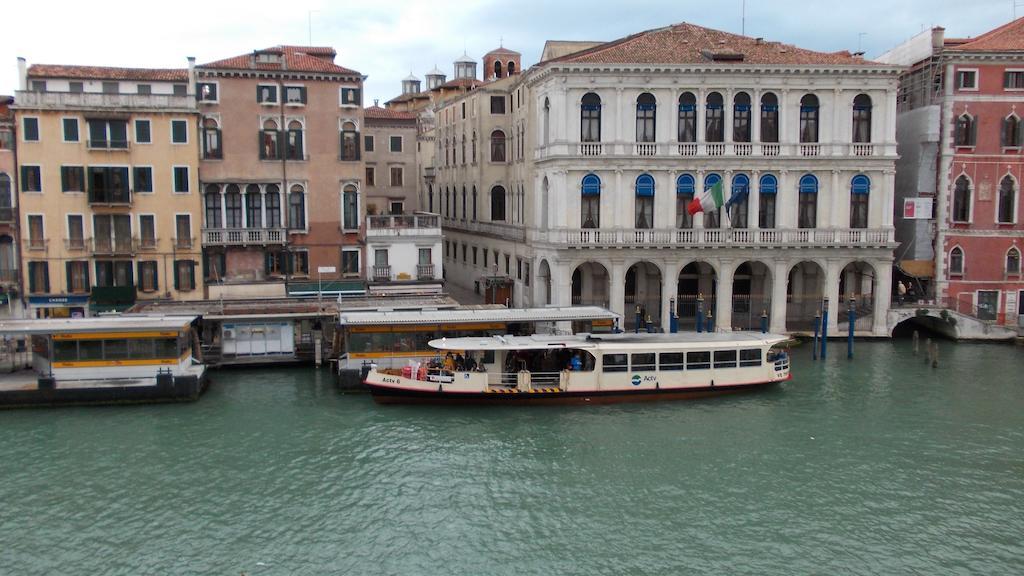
<point x="725" y="358"/>
<point x="118" y="349"/>
<point x="750" y="357"/>
<point x="671" y="361"/>
<point x="115" y="349"/>
<point x="643" y="362"/>
<point x="90" y="350"/>
<point x="614" y="363"/>
<point x="698" y="360"/>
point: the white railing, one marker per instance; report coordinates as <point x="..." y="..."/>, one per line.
<point x="591" y="149"/>
<point x="723" y="237"/>
<point x="424" y="224"/>
<point x="770" y="149"/>
<point x="716" y="149"/>
<point x="810" y="149"/>
<point x="711" y="149"/>
<point x="687" y="149"/>
<point x="743" y="149"/>
<point x="99" y="100"/>
<point x="501" y="230"/>
<point x="863" y="149"/>
<point x="646" y="149"/>
<point x="243" y="236"/>
<point x="380" y="273"/>
<point x="425" y="272"/>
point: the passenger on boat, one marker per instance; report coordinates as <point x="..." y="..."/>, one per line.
<point x="470" y="364"/>
<point x="460" y="362"/>
<point x="575" y="364"/>
<point x="449" y="362"/>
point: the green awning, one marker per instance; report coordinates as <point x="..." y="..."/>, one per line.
<point x="112" y="296"/>
<point x="327" y="287"/>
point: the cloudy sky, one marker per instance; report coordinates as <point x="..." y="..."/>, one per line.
<point x="387" y="39"/>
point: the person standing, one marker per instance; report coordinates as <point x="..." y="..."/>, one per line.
<point x="901" y="292"/>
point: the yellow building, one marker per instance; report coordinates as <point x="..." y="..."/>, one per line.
<point x="108" y="187"/>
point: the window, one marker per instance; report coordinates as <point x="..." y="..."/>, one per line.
<point x="297" y="208"/>
<point x="714" y="122"/>
<point x="112" y="233"/>
<point x="300" y="262"/>
<point x="143" y="178"/>
<point x="295" y="95"/>
<point x="807" y="215"/>
<point x="737" y="204"/>
<point x="672" y="361"/>
<point x="206" y="92"/>
<point x="76" y="232"/>
<point x="181" y="185"/>
<point x="70" y="129"/>
<point x="685" y="189"/>
<point x="350" y="208"/>
<point x="1013" y="262"/>
<point x="213" y="206"/>
<point x="750" y="357"/>
<point x="646" y="110"/>
<point x="350" y="262"/>
<point x="109" y="185"/>
<point x="266" y="94"/>
<point x="295" y="150"/>
<point x="349" y="142"/>
<point x="1013" y="131"/>
<point x="77" y="274"/>
<point x="497" y="104"/>
<point x="713" y="218"/>
<point x="474" y="147"/>
<point x="253" y="207"/>
<point x="809" y="118"/>
<point x="956" y="261"/>
<point x="698" y="360"/>
<point x="39" y="85"/>
<point x="590" y="198"/>
<point x="30" y="129"/>
<point x="368" y="143"/>
<point x="142" y="132"/>
<point x="741" y="117"/>
<point x="725" y="359"/>
<point x="38" y="277"/>
<point x="614" y="363"/>
<point x="967" y="79"/>
<point x="769" y="187"/>
<point x="272" y="212"/>
<point x="179" y="132"/>
<point x="644" y="203"/>
<point x="117" y="273"/>
<point x="111" y="87"/>
<point x="6" y="204"/>
<point x="862" y="118"/>
<point x="76" y="87"/>
<point x="350" y="97"/>
<point x="498" y="204"/>
<point x="860" y="191"/>
<point x="72" y="179"/>
<point x="108" y="134"/>
<point x="396" y="181"/>
<point x="6" y="139"/>
<point x="497" y="146"/>
<point x="769" y="118"/>
<point x="474" y="255"/>
<point x="36" y="237"/>
<point x="643" y="362"/>
<point x="211" y="140"/>
<point x="1013" y="79"/>
<point x="184" y="275"/>
<point x="474" y="203"/>
<point x="147" y="231"/>
<point x="270" y="141"/>
<point x="590" y="118"/>
<point x="1007" y="203"/>
<point x="687" y="129"/>
<point x="396" y="145"/>
<point x="962" y="200"/>
<point x="233" y="206"/>
<point x="371" y="173"/>
<point x="396" y="207"/>
<point x="966" y="130"/>
<point x="148" y="280"/>
<point x="147" y="89"/>
<point x="31" y="180"/>
<point x="183" y="230"/>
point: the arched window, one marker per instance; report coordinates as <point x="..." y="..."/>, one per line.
<point x="350" y="207"/>
<point x="956" y="261"/>
<point x="687" y="130"/>
<point x="769" y="118"/>
<point x="714" y="124"/>
<point x="497" y="69"/>
<point x="547" y="122"/>
<point x="966" y="130"/>
<point x="270" y="141"/>
<point x="644" y="201"/>
<point x="350" y="149"/>
<point x="737" y="203"/>
<point x="590" y="200"/>
<point x="646" y="110"/>
<point x="741" y="117"/>
<point x="497" y="146"/>
<point x="807" y="214"/>
<point x="253" y="207"/>
<point x="862" y="118"/>
<point x="686" y="187"/>
<point x="297" y="208"/>
<point x="464" y="149"/>
<point x="464" y="199"/>
<point x="474" y="203"/>
<point x="497" y="204"/>
<point x="511" y="68"/>
<point x="211" y="139"/>
<point x="233" y="206"/>
<point x="8" y="261"/>
<point x="1013" y="262"/>
<point x="712" y="219"/>
<point x="962" y="199"/>
<point x="809" y="118"/>
<point x="474" y="146"/>
<point x="1007" y="201"/>
<point x="5" y="197"/>
<point x="1013" y="131"/>
<point x="860" y="192"/>
<point x="590" y="118"/>
<point x="272" y="199"/>
<point x="213" y="206"/>
<point x="768" y="191"/>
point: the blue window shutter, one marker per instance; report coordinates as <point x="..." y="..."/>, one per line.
<point x="645" y="185"/>
<point x="808" y="184"/>
<point x="860" y="185"/>
<point x="685" y="184"/>
<point x="591" y="185"/>
<point x="769" y="185"/>
<point x="711" y="179"/>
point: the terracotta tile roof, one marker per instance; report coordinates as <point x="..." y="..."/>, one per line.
<point x="296" y="59"/>
<point x="461" y="83"/>
<point x="1007" y="38"/>
<point x="107" y="73"/>
<point x="686" y="43"/>
<point x="378" y="113"/>
<point x="407" y="97"/>
<point x="503" y="50"/>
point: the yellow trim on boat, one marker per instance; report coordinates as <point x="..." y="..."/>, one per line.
<point x="105" y="335"/>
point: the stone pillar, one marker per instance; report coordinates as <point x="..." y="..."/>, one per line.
<point x="620" y="215"/>
<point x="727" y="112"/>
<point x="755" y="116"/>
<point x="617" y="290"/>
<point x="831" y="291"/>
<point x="833" y="199"/>
<point x="780" y="276"/>
<point x="882" y="292"/>
<point x="723" y="323"/>
<point x="698" y="219"/>
<point x="618" y="123"/>
<point x="785" y="201"/>
<point x="701" y="115"/>
<point x="754" y="201"/>
<point x="669" y="287"/>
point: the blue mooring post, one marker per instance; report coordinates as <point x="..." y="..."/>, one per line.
<point x="700" y="313"/>
<point x="710" y="327"/>
<point x="764" y="321"/>
<point x="639" y="320"/>
<point x="673" y="320"/>
<point x="648" y="323"/>
<point x="817" y="327"/>
<point x="824" y="329"/>
<point x="853" y="320"/>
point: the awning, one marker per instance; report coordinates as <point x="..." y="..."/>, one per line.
<point x="327" y="288"/>
<point x="917" y="268"/>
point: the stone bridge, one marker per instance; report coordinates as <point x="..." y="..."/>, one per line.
<point x="950" y="323"/>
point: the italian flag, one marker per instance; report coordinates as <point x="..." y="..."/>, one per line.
<point x="709" y="200"/>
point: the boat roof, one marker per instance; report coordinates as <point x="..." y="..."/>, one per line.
<point x="132" y="323"/>
<point x="651" y="342"/>
<point x="406" y="317"/>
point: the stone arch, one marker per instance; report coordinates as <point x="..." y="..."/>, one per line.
<point x="696" y="287"/>
<point x="805" y="289"/>
<point x="591" y="285"/>
<point x="751" y="294"/>
<point x="642" y="292"/>
<point x="544" y="279"/>
<point x="858" y="280"/>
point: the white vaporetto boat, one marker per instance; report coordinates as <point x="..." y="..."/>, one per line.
<point x="585" y="368"/>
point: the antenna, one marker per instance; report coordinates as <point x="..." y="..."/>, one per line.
<point x="1013" y="7"/>
<point x="309" y="23"/>
<point x="860" y="37"/>
<point x="743" y="18"/>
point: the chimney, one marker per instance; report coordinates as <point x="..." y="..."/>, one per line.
<point x="22" y="74"/>
<point x="191" y="89"/>
<point x="759" y="40"/>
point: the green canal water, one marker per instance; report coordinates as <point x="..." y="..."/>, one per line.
<point x="878" y="466"/>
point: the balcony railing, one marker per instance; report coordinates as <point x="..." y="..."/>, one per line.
<point x="108" y="144"/>
<point x="688" y="149"/>
<point x="713" y="149"/>
<point x="75" y="244"/>
<point x="112" y="246"/>
<point x="145" y="243"/>
<point x="36" y="243"/>
<point x="646" y="149"/>
<point x="590" y="149"/>
<point x="112" y="197"/>
<point x="743" y="149"/>
<point x="184" y="243"/>
<point x="243" y="236"/>
<point x="716" y="149"/>
<point x="420" y="224"/>
<point x="863" y="149"/>
<point x="769" y="149"/>
<point x="380" y="273"/>
<point x="810" y="149"/>
<point x="425" y="272"/>
<point x="505" y="231"/>
<point x="92" y="100"/>
<point x="716" y="237"/>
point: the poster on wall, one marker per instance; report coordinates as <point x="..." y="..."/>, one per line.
<point x="917" y="208"/>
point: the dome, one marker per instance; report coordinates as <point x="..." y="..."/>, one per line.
<point x="465" y="59"/>
<point x="411" y="78"/>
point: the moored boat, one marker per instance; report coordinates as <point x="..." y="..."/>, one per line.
<point x="585" y="368"/>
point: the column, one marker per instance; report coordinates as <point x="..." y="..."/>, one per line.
<point x="754" y="201"/>
<point x="882" y="292"/>
<point x="617" y="289"/>
<point x="619" y="217"/>
<point x="564" y="130"/>
<point x="834" y="196"/>
<point x="701" y="117"/>
<point x="665" y="202"/>
<point x="785" y="202"/>
<point x="831" y="292"/>
<point x="669" y="287"/>
<point x="780" y="276"/>
<point x="724" y="297"/>
<point x="698" y="218"/>
<point x="755" y="116"/>
<point x="617" y="123"/>
<point x="727" y="112"/>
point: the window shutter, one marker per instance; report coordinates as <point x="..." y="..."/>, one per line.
<point x="289" y="263"/>
<point x="131" y="276"/>
<point x="46" y="276"/>
<point x="358" y="147"/>
<point x="1004" y="133"/>
<point x="206" y="264"/>
<point x="974" y="131"/>
<point x="88" y="286"/>
<point x="259" y="145"/>
<point x="32" y="277"/>
<point x="67" y="274"/>
<point x="267" y="263"/>
<point x="357" y="96"/>
<point x="177" y="279"/>
<point x="1020" y="132"/>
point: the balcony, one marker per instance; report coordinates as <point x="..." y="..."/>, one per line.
<point x="591" y="149"/>
<point x="184" y="243"/>
<point x="110" y="197"/>
<point x="76" y="244"/>
<point x="108" y="144"/>
<point x="714" y="150"/>
<point x="145" y="244"/>
<point x="380" y="273"/>
<point x="244" y="236"/>
<point x="36" y="244"/>
<point x="716" y="237"/>
<point x="112" y="247"/>
<point x="496" y="229"/>
<point x="94" y="101"/>
<point x="419" y="224"/>
<point x="425" y="272"/>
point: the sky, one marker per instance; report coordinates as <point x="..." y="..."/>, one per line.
<point x="386" y="40"/>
